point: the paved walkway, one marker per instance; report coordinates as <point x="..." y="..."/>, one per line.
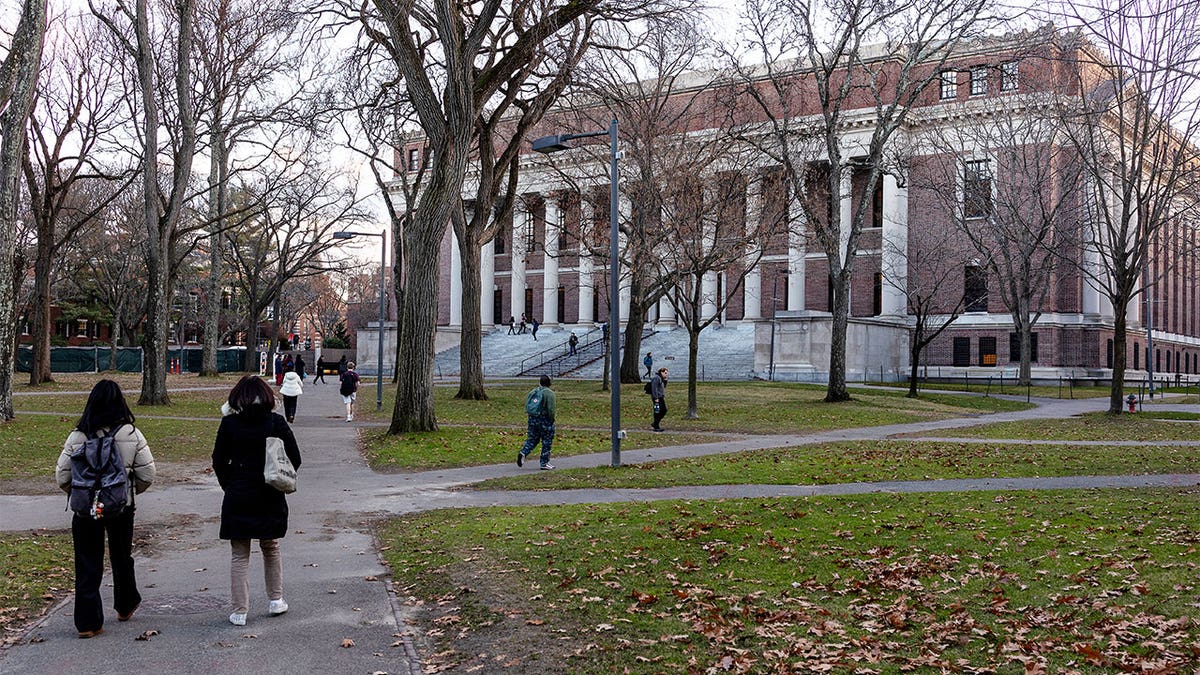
<point x="334" y="580"/>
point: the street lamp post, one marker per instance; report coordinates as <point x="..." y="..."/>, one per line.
<point x="558" y="143"/>
<point x="345" y="234"/>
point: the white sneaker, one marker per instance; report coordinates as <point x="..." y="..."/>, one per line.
<point x="237" y="619"/>
<point x="277" y="607"/>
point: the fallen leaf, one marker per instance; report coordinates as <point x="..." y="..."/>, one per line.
<point x="145" y="637"/>
<point x="347" y="643"/>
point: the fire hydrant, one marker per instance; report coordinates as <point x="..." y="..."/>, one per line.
<point x="1132" y="401"/>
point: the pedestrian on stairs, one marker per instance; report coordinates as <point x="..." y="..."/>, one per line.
<point x="521" y="331"/>
<point x="571" y="344"/>
<point x="535" y="327"/>
<point x="512" y="325"/>
<point x="648" y="362"/>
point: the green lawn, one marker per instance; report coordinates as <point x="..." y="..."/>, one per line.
<point x="183" y="403"/>
<point x="1082" y="581"/>
<point x="472" y="446"/>
<point x="37" y="573"/>
<point x="30" y="446"/>
<point x="870" y="462"/>
<point x="742" y="407"/>
<point x="1009" y="389"/>
<point x="1146" y="426"/>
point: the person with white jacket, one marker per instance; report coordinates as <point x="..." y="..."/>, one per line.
<point x="106" y="413"/>
<point x="291" y="389"/>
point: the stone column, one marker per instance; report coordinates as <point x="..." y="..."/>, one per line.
<point x="550" y="262"/>
<point x="522" y="220"/>
<point x="666" y="312"/>
<point x="797" y="248"/>
<point x="894" y="257"/>
<point x="487" y="285"/>
<point x="586" y="265"/>
<point x="752" y="291"/>
<point x="456" y="290"/>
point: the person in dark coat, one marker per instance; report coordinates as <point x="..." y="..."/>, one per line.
<point x="300" y="365"/>
<point x="341" y="366"/>
<point x="658" y="394"/>
<point x="252" y="509"/>
<point x="319" y="376"/>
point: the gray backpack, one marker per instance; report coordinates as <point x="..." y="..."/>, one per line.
<point x="99" y="481"/>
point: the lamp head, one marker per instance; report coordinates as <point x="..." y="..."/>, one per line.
<point x="343" y="235"/>
<point x="549" y="144"/>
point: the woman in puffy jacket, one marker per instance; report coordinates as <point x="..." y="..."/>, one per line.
<point x="107" y="413"/>
<point x="252" y="509"/>
<point x="291" y="389"/>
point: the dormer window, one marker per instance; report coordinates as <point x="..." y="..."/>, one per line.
<point x="1009" y="72"/>
<point x="979" y="80"/>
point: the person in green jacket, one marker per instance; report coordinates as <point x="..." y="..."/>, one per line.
<point x="539" y="406"/>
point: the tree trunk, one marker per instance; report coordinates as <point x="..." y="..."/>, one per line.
<point x="209" y="366"/>
<point x="836" y="392"/>
<point x="914" y="358"/>
<point x="631" y="372"/>
<point x="26" y="52"/>
<point x="1120" y="334"/>
<point x="40" y="312"/>
<point x="413" y="410"/>
<point x="693" y="360"/>
<point x="114" y="338"/>
<point x="154" y="341"/>
<point x="470" y="354"/>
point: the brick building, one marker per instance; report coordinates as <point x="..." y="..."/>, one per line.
<point x="538" y="269"/>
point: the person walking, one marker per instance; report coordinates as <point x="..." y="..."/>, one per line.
<point x="300" y="364"/>
<point x="349" y="390"/>
<point x="319" y="376"/>
<point x="572" y="343"/>
<point x="341" y="366"/>
<point x="658" y="394"/>
<point x="648" y="361"/>
<point x="291" y="390"/>
<point x="521" y="331"/>
<point x="512" y="330"/>
<point x="251" y="509"/>
<point x="106" y="414"/>
<point x="278" y="369"/>
<point x="288" y="363"/>
<point x="535" y="327"/>
<point x="539" y="407"/>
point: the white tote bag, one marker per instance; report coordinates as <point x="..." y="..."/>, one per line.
<point x="278" y="470"/>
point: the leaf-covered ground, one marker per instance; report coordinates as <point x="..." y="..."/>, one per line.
<point x="1146" y="426"/>
<point x="36" y="573"/>
<point x="1077" y="581"/>
<point x="870" y="462"/>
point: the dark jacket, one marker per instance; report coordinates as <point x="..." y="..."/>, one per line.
<point x="251" y="508"/>
<point x="658" y="388"/>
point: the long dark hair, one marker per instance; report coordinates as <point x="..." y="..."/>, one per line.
<point x="106" y="409"/>
<point x="252" y="396"/>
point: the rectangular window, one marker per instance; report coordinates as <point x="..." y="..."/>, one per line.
<point x="962" y="351"/>
<point x="977" y="189"/>
<point x="498" y="305"/>
<point x="1009" y="73"/>
<point x="975" y="290"/>
<point x="414" y="159"/>
<point x="979" y="80"/>
<point x="499" y="247"/>
<point x="1014" y="348"/>
<point x="877" y="207"/>
<point x="987" y="351"/>
<point x="1137" y="357"/>
<point x="949" y="84"/>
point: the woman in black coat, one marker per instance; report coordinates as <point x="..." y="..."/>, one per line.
<point x="251" y="508"/>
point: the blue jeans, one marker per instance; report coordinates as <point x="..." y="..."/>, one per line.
<point x="540" y="429"/>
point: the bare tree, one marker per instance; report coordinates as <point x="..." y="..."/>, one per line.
<point x="926" y="266"/>
<point x="76" y="110"/>
<point x="1131" y="116"/>
<point x="287" y="240"/>
<point x="463" y="65"/>
<point x="254" y="72"/>
<point x="164" y="201"/>
<point x="18" y="82"/>
<point x="323" y="306"/>
<point x="819" y="66"/>
<point x="1019" y="190"/>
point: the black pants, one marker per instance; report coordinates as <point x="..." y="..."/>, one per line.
<point x="289" y="407"/>
<point x="88" y="537"/>
<point x="660" y="412"/>
<point x="320" y="376"/>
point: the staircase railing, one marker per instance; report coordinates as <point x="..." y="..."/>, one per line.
<point x="591" y="348"/>
<point x="560" y="350"/>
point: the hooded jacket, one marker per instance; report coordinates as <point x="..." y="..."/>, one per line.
<point x="292" y="385"/>
<point x="251" y="509"/>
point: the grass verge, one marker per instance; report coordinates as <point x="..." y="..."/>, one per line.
<point x="741" y="407"/>
<point x="1079" y="581"/>
<point x="472" y="446"/>
<point x="868" y="462"/>
<point x="30" y="446"/>
<point x="1147" y="426"/>
<point x="37" y="573"/>
<point x="183" y="403"/>
<point x="1009" y="389"/>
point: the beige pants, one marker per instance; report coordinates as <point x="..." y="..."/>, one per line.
<point x="239" y="584"/>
